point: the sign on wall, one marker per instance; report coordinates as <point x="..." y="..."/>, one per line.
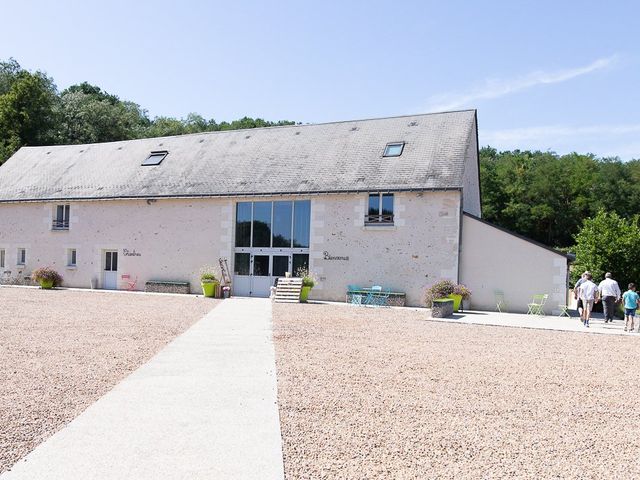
<point x="334" y="257"/>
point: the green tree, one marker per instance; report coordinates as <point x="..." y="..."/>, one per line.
<point x="608" y="243"/>
<point x="89" y="115"/>
<point x="27" y="109"/>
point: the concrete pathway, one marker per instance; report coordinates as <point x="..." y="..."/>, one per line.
<point x="520" y="320"/>
<point x="565" y="324"/>
<point x="205" y="407"/>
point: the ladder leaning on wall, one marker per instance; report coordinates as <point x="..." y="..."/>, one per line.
<point x="224" y="271"/>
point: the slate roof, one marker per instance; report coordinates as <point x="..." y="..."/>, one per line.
<point x="300" y="159"/>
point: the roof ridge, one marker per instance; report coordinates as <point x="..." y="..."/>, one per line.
<point x="274" y="127"/>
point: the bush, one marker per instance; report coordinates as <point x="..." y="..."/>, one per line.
<point x="308" y="280"/>
<point x="462" y="290"/>
<point x="208" y="278"/>
<point x="44" y="274"/>
<point x="207" y="274"/>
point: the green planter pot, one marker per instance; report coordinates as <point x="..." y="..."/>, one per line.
<point x="304" y="294"/>
<point x="46" y="284"/>
<point x="209" y="289"/>
<point x="457" y="300"/>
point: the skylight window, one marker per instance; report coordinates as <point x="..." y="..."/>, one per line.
<point x="155" y="158"/>
<point x="393" y="149"/>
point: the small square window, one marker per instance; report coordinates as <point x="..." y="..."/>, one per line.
<point x="155" y="158"/>
<point x="393" y="149"/>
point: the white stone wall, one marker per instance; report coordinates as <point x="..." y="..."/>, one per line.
<point x="174" y="238"/>
<point x="419" y="249"/>
<point x="492" y="259"/>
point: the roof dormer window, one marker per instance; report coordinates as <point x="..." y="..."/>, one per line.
<point x="393" y="149"/>
<point x="155" y="158"/>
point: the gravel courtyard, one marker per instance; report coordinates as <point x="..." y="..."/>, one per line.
<point x="62" y="350"/>
<point x="382" y="393"/>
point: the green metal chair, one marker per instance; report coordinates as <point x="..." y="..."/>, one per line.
<point x="536" y="307"/>
<point x="501" y="304"/>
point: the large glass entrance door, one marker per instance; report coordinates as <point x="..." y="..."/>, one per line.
<point x="254" y="274"/>
<point x="271" y="239"/>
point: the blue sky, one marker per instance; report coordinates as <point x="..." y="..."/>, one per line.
<point x="549" y="75"/>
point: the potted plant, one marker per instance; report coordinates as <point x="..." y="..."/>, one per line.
<point x="439" y="290"/>
<point x="47" y="277"/>
<point x="308" y="282"/>
<point x="460" y="293"/>
<point x="447" y="289"/>
<point x="209" y="282"/>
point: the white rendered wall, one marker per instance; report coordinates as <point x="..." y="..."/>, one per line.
<point x="174" y="238"/>
<point x="421" y="247"/>
<point x="492" y="259"/>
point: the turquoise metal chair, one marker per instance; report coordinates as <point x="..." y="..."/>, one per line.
<point x="377" y="298"/>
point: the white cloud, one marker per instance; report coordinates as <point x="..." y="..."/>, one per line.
<point x="495" y="88"/>
<point x="551" y="132"/>
<point x="605" y="140"/>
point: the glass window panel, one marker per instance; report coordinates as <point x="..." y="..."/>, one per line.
<point x="301" y="223"/>
<point x="60" y="213"/>
<point x="261" y="224"/>
<point x="261" y="265"/>
<point x="1" y="258"/>
<point x="107" y="261"/>
<point x="243" y="224"/>
<point x="241" y="263"/>
<point x="387" y="204"/>
<point x="155" y="158"/>
<point x="280" y="265"/>
<point x="374" y="204"/>
<point x="393" y="149"/>
<point x="282" y="212"/>
<point x="114" y="261"/>
<point x="300" y="264"/>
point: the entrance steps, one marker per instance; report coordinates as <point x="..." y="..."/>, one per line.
<point x="288" y="290"/>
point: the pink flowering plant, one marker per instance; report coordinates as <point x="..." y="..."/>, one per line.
<point x="46" y="274"/>
<point x="444" y="288"/>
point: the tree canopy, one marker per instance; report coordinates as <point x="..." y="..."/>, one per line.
<point x="608" y="243"/>
<point x="33" y="112"/>
<point x="546" y="196"/>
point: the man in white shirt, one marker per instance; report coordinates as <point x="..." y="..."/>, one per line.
<point x="610" y="294"/>
<point x="588" y="292"/>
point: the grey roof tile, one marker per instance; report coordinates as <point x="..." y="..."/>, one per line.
<point x="330" y="157"/>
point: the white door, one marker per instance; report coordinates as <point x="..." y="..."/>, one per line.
<point x="261" y="277"/>
<point x="110" y="272"/>
<point x="242" y="275"/>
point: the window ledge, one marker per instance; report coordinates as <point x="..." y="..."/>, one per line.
<point x="71" y="267"/>
<point x="381" y="227"/>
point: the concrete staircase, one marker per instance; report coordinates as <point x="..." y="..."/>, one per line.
<point x="288" y="290"/>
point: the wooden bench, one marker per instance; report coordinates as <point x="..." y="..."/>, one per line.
<point x="162" y="286"/>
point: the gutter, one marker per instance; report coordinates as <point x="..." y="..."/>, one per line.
<point x="227" y="195"/>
